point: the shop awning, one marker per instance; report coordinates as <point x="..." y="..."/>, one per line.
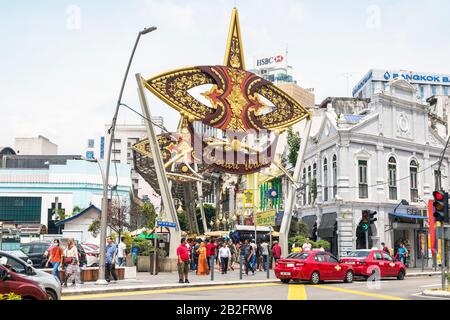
<point x="310" y="221"/>
<point x="326" y="228"/>
<point x="406" y="215"/>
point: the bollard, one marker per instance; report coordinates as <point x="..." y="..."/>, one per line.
<point x="211" y="268"/>
<point x="240" y="267"/>
<point x="267" y="266"/>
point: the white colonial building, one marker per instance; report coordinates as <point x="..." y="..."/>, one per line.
<point x="369" y="155"/>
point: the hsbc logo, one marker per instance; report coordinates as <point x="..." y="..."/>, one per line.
<point x="269" y="61"/>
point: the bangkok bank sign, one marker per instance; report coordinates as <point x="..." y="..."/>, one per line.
<point x="269" y="61"/>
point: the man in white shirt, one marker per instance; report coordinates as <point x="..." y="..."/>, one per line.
<point x="307" y="245"/>
<point x="265" y="253"/>
<point x="121" y="254"/>
<point x="224" y="255"/>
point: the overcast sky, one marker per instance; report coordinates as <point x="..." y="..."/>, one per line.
<point x="62" y="62"/>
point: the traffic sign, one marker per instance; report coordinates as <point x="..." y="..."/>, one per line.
<point x="166" y="224"/>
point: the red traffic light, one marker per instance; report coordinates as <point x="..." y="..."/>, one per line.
<point x="438" y="195"/>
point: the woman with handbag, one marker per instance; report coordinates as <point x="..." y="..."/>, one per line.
<point x="70" y="262"/>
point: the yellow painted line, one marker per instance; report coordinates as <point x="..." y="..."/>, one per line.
<point x="359" y="293"/>
<point x="297" y="292"/>
<point x="156" y="291"/>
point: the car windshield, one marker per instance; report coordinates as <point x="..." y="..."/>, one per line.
<point x="358" y="254"/>
<point x="14" y="264"/>
<point x="298" y="256"/>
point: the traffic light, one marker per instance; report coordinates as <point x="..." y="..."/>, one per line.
<point x="365" y="220"/>
<point x="440" y="206"/>
<point x="372" y="215"/>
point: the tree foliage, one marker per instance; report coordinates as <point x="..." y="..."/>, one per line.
<point x="183" y="220"/>
<point x="116" y="218"/>
<point x="293" y="141"/>
<point x="210" y="213"/>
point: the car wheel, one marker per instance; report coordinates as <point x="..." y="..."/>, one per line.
<point x="51" y="295"/>
<point x="315" y="277"/>
<point x="285" y="280"/>
<point x="401" y="274"/>
<point x="349" y="277"/>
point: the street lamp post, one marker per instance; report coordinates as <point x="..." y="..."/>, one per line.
<point x="103" y="220"/>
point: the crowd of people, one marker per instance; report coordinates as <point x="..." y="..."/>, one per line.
<point x="200" y="256"/>
<point x="69" y="261"/>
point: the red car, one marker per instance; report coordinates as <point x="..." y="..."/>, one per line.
<point x="368" y="262"/>
<point x="11" y="282"/>
<point x="313" y="266"/>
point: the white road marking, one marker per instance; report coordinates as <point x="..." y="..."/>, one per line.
<point x="431" y="285"/>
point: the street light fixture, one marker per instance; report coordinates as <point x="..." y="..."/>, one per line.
<point x="104" y="215"/>
<point x="403" y="202"/>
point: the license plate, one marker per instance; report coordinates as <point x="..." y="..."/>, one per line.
<point x="290" y="265"/>
<point x="285" y="273"/>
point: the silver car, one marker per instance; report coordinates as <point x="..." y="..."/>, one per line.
<point x="49" y="282"/>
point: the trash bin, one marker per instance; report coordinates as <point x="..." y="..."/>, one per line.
<point x="154" y="269"/>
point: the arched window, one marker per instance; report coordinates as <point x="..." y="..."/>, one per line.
<point x="309" y="185"/>
<point x="413" y="166"/>
<point x="334" y="176"/>
<point x="392" y="178"/>
<point x="325" y="179"/>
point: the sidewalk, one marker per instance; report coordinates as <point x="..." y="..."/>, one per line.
<point x="169" y="280"/>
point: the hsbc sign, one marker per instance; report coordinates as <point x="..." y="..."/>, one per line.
<point x="269" y="61"/>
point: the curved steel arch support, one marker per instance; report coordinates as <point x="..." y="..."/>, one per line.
<point x="286" y="222"/>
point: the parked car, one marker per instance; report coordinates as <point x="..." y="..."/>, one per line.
<point x="92" y="246"/>
<point x="92" y="255"/>
<point x="19" y="254"/>
<point x="313" y="266"/>
<point x="36" y="252"/>
<point x="368" y="262"/>
<point x="51" y="284"/>
<point x="11" y="282"/>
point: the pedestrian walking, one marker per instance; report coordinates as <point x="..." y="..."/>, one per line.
<point x="385" y="248"/>
<point x="295" y="246"/>
<point x="243" y="252"/>
<point x="276" y="251"/>
<point x="70" y="263"/>
<point x="134" y="254"/>
<point x="202" y="268"/>
<point x="251" y="259"/>
<point x="55" y="258"/>
<point x="122" y="252"/>
<point x="110" y="265"/>
<point x="265" y="254"/>
<point x="224" y="255"/>
<point x="196" y="247"/>
<point x="211" y="252"/>
<point x="259" y="257"/>
<point x="402" y="253"/>
<point x="233" y="251"/>
<point x="183" y="262"/>
<point x="307" y="246"/>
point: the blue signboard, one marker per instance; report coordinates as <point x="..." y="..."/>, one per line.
<point x="166" y="224"/>
<point x="102" y="147"/>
